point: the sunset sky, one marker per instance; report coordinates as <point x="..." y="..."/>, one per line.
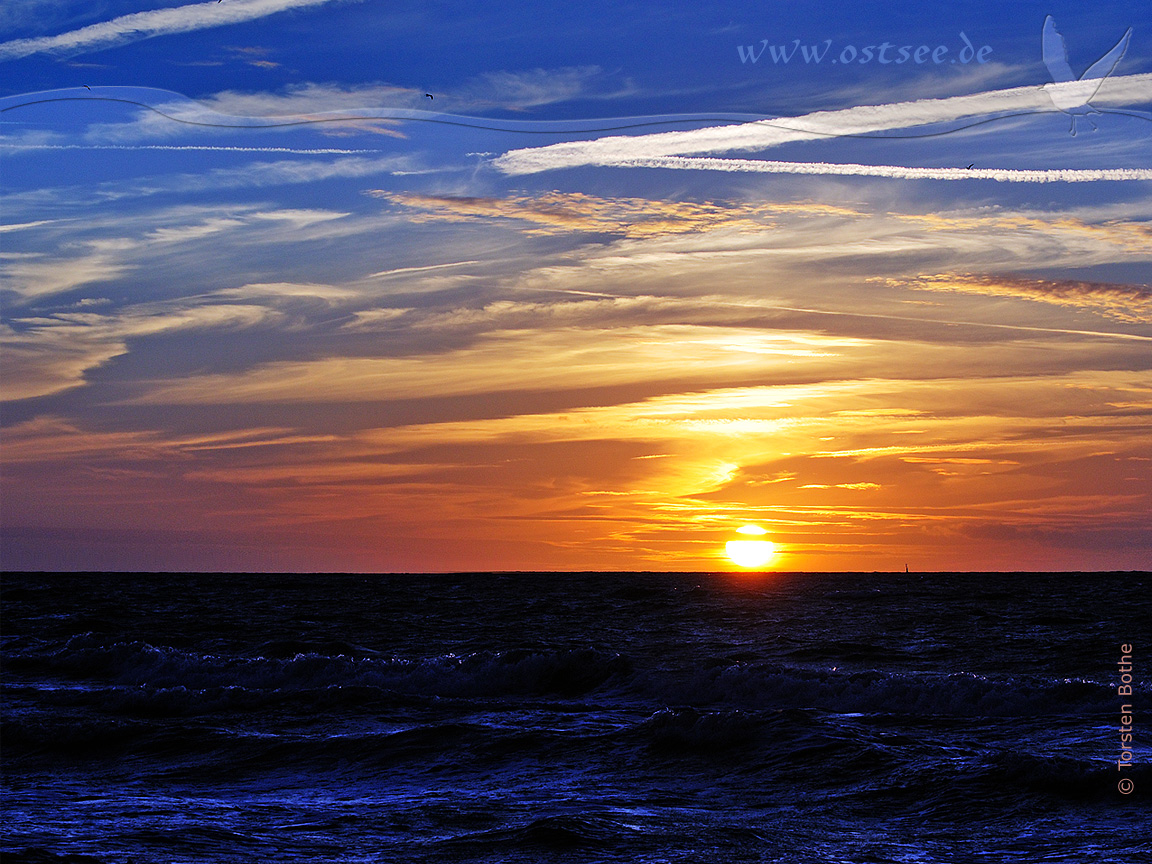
<point x="616" y="290"/>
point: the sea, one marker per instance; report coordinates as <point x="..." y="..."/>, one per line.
<point x="853" y="718"/>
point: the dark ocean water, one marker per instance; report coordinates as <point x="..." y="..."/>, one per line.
<point x="574" y="717"/>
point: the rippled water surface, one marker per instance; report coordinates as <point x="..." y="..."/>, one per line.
<point x="575" y="717"/>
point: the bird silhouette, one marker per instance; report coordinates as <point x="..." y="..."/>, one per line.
<point x="1070" y="94"/>
<point x="971" y="166"/>
<point x="430" y="96"/>
<point x="87" y="87"/>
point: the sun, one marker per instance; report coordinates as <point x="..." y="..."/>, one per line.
<point x="750" y="553"/>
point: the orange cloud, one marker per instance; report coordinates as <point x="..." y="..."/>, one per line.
<point x="1133" y="236"/>
<point x="560" y="212"/>
<point x="1130" y="303"/>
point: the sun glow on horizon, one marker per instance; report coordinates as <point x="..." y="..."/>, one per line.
<point x="750" y="553"/>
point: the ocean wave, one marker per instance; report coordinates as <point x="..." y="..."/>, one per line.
<point x="964" y="694"/>
<point x="36" y="855"/>
<point x="558" y="832"/>
<point x="166" y="671"/>
<point x="141" y="679"/>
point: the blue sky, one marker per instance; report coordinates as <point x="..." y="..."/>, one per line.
<point x="628" y="58"/>
<point x="613" y="292"/>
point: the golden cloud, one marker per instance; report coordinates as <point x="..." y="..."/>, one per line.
<point x="1130" y="303"/>
<point x="565" y="212"/>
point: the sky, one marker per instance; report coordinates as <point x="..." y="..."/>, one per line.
<point x="354" y="285"/>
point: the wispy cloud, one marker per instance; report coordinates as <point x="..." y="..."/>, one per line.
<point x="532" y="88"/>
<point x="1130" y="231"/>
<point x="274" y="290"/>
<point x="251" y="175"/>
<point x="514" y="90"/>
<point x="257" y="174"/>
<point x="565" y="212"/>
<point x="145" y="25"/>
<point x="20" y="226"/>
<point x="39" y="277"/>
<point x="47" y="437"/>
<point x="304" y="151"/>
<point x="51" y="354"/>
<point x="142" y="241"/>
<point x="1131" y="303"/>
<point x="521" y="358"/>
<point x="301" y="100"/>
<point x="331" y="108"/>
<point x="558" y="212"/>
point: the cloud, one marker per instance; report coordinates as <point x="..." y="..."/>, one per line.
<point x="840" y="486"/>
<point x="299" y="217"/>
<point x="1112" y="229"/>
<point x="50" y="354"/>
<point x="32" y="278"/>
<point x="852" y="244"/>
<point x="565" y="212"/>
<point x="47" y="438"/>
<point x="513" y="90"/>
<point x="850" y="465"/>
<point x="259" y="174"/>
<point x="538" y="355"/>
<point x="255" y="290"/>
<point x="515" y="346"/>
<point x="304" y="151"/>
<point x="299" y="102"/>
<point x="35" y="275"/>
<point x="1130" y="303"/>
<point x="22" y="225"/>
<point x="531" y="88"/>
<point x="332" y="108"/>
<point x="193" y="232"/>
<point x="30" y="13"/>
<point x="145" y="25"/>
<point x="760" y="135"/>
<point x="253" y="175"/>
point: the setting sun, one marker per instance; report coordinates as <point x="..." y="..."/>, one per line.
<point x="750" y="553"/>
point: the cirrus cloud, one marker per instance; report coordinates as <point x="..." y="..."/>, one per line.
<point x="145" y="25"/>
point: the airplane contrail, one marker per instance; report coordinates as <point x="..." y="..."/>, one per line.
<point x="868" y="121"/>
<point x="1003" y="175"/>
<point x="210" y="147"/>
<point x="420" y="269"/>
<point x="144" y="25"/>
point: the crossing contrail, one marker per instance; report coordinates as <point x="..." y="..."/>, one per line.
<point x="922" y="118"/>
<point x="902" y="172"/>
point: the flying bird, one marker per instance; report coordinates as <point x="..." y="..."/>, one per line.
<point x="87" y="87"/>
<point x="971" y="166"/>
<point x="1070" y="94"/>
<point x="430" y="96"/>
